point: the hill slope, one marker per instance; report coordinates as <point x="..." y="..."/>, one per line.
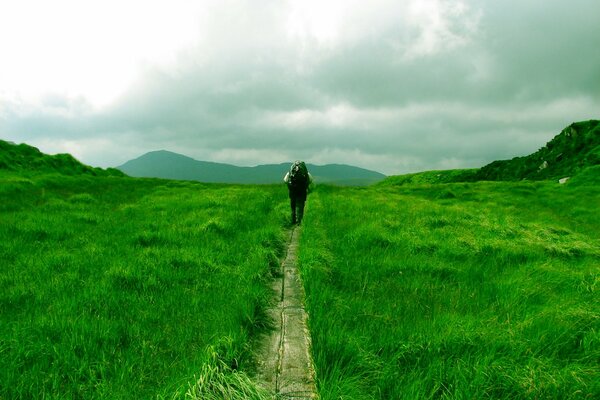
<point x="430" y="177"/>
<point x="22" y="157"/>
<point x="574" y="149"/>
<point x="169" y="165"/>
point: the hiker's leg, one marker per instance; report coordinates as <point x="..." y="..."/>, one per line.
<point x="293" y="205"/>
<point x="300" y="210"/>
<point x="301" y="201"/>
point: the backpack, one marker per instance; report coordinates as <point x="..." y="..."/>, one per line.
<point x="298" y="176"/>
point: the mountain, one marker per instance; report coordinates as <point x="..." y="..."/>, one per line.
<point x="169" y="165"/>
<point x="576" y="148"/>
<point x="22" y="157"/>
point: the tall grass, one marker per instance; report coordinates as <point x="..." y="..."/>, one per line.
<point x="479" y="290"/>
<point x="137" y="288"/>
<point x="130" y="288"/>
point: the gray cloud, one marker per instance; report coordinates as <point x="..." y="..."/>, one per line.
<point x="397" y="90"/>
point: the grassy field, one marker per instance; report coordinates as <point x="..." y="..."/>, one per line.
<point x="126" y="288"/>
<point x="462" y="291"/>
<point x="112" y="287"/>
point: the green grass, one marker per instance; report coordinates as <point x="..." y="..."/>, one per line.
<point x="112" y="287"/>
<point x="430" y="177"/>
<point x="128" y="288"/>
<point x="463" y="291"/>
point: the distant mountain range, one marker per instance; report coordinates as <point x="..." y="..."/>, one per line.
<point x="169" y="165"/>
<point x="575" y="149"/>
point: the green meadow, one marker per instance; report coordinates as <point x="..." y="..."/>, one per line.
<point x="128" y="288"/>
<point x="113" y="287"/>
<point x="459" y="291"/>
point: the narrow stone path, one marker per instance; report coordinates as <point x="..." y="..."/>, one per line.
<point x="284" y="362"/>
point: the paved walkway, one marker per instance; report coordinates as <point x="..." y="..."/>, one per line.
<point x="285" y="365"/>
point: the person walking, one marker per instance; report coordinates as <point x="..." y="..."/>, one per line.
<point x="298" y="180"/>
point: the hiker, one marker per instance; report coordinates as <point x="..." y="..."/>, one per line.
<point x="298" y="180"/>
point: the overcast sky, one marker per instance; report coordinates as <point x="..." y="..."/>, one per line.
<point x="394" y="86"/>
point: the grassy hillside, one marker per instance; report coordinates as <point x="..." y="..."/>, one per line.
<point x="24" y="158"/>
<point x="463" y="291"/>
<point x="430" y="177"/>
<point x="574" y="149"/>
<point x="128" y="288"/>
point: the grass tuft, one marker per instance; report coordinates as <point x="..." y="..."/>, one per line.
<point x="217" y="380"/>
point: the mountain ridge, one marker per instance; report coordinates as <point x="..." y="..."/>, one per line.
<point x="170" y="165"/>
<point x="575" y="150"/>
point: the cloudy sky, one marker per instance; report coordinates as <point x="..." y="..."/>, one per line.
<point x="394" y="86"/>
